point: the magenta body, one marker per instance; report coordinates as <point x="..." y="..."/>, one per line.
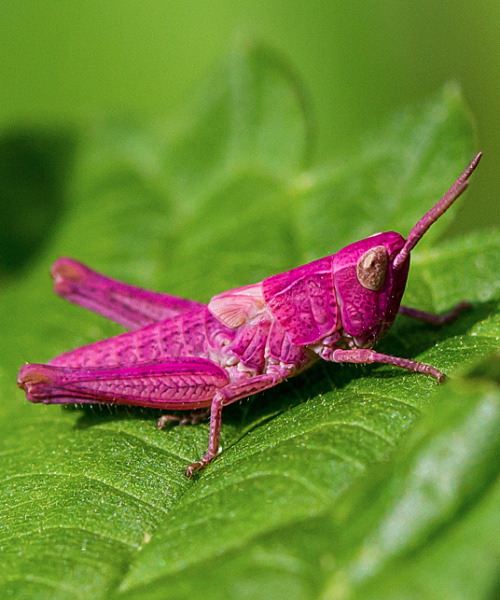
<point x="298" y="315"/>
<point x="182" y="354"/>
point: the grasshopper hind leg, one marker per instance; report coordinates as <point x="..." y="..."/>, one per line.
<point x="129" y="305"/>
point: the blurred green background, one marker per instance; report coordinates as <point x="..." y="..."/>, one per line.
<point x="61" y="61"/>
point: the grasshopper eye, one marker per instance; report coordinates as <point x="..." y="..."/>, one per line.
<point x="372" y="267"/>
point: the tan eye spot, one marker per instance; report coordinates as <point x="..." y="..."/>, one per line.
<point x="372" y="267"/>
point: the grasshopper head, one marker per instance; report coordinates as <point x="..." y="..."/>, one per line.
<point x="368" y="287"/>
<point x="370" y="275"/>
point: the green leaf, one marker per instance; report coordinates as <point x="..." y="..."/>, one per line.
<point x="436" y="507"/>
<point x="423" y="525"/>
<point x="95" y="503"/>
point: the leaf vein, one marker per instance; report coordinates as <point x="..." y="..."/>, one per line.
<point x="138" y="501"/>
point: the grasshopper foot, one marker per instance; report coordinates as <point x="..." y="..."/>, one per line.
<point x="191" y="469"/>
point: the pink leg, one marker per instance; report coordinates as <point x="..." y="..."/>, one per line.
<point x="227" y="395"/>
<point x="214" y="439"/>
<point x="176" y="385"/>
<point x="364" y="356"/>
<point x="433" y="319"/>
<point x="181" y="385"/>
<point x="129" y="305"/>
<point x="191" y="418"/>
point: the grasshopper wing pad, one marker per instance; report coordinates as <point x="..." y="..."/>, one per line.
<point x="236" y="307"/>
<point x="244" y="310"/>
<point x="303" y="301"/>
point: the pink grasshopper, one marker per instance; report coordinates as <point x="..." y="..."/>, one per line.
<point x="184" y="355"/>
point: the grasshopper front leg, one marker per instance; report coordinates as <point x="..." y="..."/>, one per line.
<point x="131" y="306"/>
<point x="367" y="356"/>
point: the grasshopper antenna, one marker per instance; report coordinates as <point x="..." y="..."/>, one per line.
<point x="436" y="211"/>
